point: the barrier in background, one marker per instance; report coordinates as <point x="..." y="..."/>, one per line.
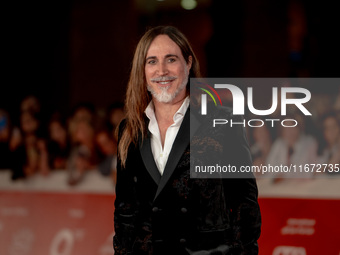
<point x="40" y="223"/>
<point x="46" y="217"/>
<point x="300" y="226"/>
<point x="300" y="217"/>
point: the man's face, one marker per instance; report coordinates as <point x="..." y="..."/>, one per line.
<point x="166" y="70"/>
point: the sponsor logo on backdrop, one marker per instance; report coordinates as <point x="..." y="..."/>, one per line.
<point x="289" y="250"/>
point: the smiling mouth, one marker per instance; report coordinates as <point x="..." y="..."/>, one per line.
<point x="164" y="81"/>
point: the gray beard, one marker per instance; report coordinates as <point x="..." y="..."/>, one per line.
<point x="164" y="96"/>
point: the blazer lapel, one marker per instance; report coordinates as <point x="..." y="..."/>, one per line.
<point x="149" y="161"/>
<point x="180" y="144"/>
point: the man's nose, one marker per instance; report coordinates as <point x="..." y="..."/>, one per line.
<point x="162" y="69"/>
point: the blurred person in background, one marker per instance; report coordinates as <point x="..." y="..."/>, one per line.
<point x="115" y="115"/>
<point x="293" y="146"/>
<point x="329" y="147"/>
<point x="30" y="104"/>
<point x="84" y="111"/>
<point x="82" y="155"/>
<point x="261" y="144"/>
<point x="30" y="154"/>
<point x="58" y="143"/>
<point x="5" y="131"/>
<point x="107" y="147"/>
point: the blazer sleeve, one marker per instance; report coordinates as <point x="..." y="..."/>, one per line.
<point x="124" y="214"/>
<point x="242" y="195"/>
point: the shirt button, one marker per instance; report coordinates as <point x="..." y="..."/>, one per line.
<point x="184" y="210"/>
<point x="182" y="241"/>
<point x="155" y="209"/>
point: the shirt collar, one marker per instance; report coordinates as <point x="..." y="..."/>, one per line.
<point x="150" y="110"/>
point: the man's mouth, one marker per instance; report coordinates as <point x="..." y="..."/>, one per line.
<point x="163" y="81"/>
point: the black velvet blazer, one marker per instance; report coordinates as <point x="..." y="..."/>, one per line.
<point x="176" y="214"/>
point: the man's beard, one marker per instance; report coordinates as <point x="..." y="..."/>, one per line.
<point x="164" y="96"/>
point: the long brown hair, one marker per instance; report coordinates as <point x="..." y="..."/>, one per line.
<point x="137" y="95"/>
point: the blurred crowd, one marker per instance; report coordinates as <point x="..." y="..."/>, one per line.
<point x="35" y="142"/>
<point x="315" y="140"/>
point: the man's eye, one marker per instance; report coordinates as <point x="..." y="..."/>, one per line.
<point x="151" y="62"/>
<point x="171" y="60"/>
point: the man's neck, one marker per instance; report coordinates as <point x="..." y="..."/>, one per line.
<point x="165" y="111"/>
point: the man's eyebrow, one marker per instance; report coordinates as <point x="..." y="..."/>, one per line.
<point x="151" y="57"/>
<point x="171" y="55"/>
<point x="166" y="56"/>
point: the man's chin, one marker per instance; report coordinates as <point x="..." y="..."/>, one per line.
<point x="164" y="98"/>
<point x="163" y="88"/>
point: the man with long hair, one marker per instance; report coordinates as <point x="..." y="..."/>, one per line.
<point x="159" y="209"/>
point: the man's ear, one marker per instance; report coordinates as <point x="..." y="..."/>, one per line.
<point x="189" y="63"/>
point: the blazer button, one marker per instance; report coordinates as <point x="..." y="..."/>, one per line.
<point x="155" y="209"/>
<point x="182" y="241"/>
<point x="135" y="178"/>
<point x="184" y="210"/>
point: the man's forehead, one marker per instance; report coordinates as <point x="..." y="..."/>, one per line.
<point x="162" y="46"/>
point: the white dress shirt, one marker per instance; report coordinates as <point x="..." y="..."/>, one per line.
<point x="161" y="154"/>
